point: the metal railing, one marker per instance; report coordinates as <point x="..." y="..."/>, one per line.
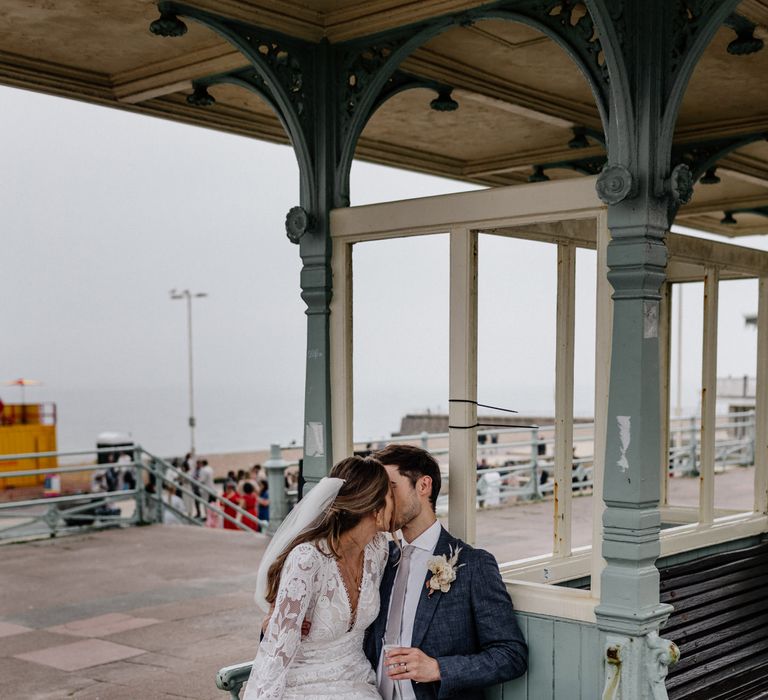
<point x="734" y="443"/>
<point x="520" y="461"/>
<point x="142" y="505"/>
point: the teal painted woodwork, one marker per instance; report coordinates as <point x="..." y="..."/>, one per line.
<point x="564" y="662"/>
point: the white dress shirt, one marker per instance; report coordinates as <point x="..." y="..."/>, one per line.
<point x="424" y="546"/>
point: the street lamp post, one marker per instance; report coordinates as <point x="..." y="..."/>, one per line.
<point x="186" y="294"/>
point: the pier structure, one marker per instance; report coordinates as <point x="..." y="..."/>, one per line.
<point x="594" y="124"/>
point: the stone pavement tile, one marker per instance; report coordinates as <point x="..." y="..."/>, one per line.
<point x="8" y="628"/>
<point x="162" y="636"/>
<point x="184" y="679"/>
<point x="180" y="684"/>
<point x="80" y="655"/>
<point x="113" y="691"/>
<point x="240" y="621"/>
<point x="102" y="625"/>
<point x="240" y="600"/>
<point x="157" y="660"/>
<point x="218" y="652"/>
<point x="31" y="641"/>
<point x="126" y="672"/>
<point x="23" y="679"/>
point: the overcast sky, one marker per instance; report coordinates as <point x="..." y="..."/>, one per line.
<point x="104" y="212"/>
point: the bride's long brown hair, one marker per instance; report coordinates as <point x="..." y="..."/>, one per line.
<point x="365" y="489"/>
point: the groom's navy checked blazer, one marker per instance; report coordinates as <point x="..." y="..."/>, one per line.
<point x="470" y="630"/>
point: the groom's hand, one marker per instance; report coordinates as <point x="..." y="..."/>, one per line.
<point x="410" y="663"/>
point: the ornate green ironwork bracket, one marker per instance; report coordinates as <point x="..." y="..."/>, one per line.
<point x="702" y="156"/>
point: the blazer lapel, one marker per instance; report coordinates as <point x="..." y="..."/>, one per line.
<point x="428" y="603"/>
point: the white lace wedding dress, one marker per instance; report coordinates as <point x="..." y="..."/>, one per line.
<point x="329" y="662"/>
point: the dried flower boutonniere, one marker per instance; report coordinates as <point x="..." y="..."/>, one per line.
<point x="443" y="570"/>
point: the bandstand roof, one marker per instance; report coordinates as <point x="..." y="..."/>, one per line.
<point x="520" y="96"/>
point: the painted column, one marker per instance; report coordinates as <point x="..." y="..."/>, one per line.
<point x="651" y="48"/>
<point x="316" y="277"/>
<point x="630" y="614"/>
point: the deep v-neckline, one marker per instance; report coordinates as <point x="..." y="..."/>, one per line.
<point x="352" y="613"/>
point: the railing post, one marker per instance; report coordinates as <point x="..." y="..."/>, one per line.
<point x="424" y="440"/>
<point x="138" y="471"/>
<point x="278" y="502"/>
<point x="693" y="440"/>
<point x="159" y="470"/>
<point x="535" y="492"/>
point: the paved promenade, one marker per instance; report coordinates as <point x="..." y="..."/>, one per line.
<point x="152" y="613"/>
<point x="133" y="614"/>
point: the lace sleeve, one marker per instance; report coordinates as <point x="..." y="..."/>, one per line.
<point x="283" y="636"/>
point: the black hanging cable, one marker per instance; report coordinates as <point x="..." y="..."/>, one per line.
<point x="482" y="405"/>
<point x="486" y="425"/>
<point x="490" y="425"/>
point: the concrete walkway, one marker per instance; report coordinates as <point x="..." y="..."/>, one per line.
<point x="130" y="614"/>
<point x="154" y="612"/>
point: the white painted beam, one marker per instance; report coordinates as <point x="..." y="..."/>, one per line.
<point x="566" y="311"/>
<point x="761" y="402"/>
<point x="341" y="340"/>
<point x="462" y="384"/>
<point x="603" y="335"/>
<point x="708" y="397"/>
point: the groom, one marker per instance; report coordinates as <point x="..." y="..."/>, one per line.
<point x="441" y="643"/>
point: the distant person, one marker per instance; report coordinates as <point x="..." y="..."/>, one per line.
<point x="263" y="500"/>
<point x="98" y="482"/>
<point x="291" y="478"/>
<point x="248" y="502"/>
<point x="206" y="480"/>
<point x="229" y="497"/>
<point x="127" y="473"/>
<point x="256" y="473"/>
<point x="150" y="496"/>
<point x="112" y="474"/>
<point x="172" y="499"/>
<point x="196" y="489"/>
<point x="186" y="491"/>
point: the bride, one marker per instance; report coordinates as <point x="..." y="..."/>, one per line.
<point x="324" y="565"/>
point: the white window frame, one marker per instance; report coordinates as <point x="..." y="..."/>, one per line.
<point x="503" y="211"/>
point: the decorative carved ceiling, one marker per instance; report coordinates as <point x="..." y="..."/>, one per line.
<point x="519" y="94"/>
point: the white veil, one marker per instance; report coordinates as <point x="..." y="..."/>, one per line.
<point x="303" y="516"/>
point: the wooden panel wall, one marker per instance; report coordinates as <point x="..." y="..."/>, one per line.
<point x="563" y="662"/>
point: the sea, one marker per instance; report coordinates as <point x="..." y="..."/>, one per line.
<point x="229" y="418"/>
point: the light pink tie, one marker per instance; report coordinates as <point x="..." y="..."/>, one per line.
<point x="395" y="618"/>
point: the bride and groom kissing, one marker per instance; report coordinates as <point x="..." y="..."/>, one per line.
<point x="355" y="615"/>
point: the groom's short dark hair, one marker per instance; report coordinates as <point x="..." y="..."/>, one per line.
<point x="412" y="462"/>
